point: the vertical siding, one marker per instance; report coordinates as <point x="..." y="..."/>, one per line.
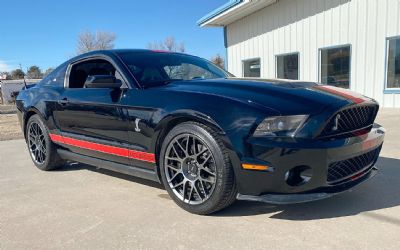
<point x="304" y="26"/>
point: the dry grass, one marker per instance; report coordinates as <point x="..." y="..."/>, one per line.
<point x="9" y="127"/>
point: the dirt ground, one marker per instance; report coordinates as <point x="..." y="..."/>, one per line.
<point x="9" y="127"/>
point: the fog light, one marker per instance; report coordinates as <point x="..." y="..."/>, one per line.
<point x="298" y="176"/>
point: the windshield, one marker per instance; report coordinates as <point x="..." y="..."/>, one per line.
<point x="153" y="69"/>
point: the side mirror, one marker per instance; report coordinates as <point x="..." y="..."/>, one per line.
<point x="103" y="82"/>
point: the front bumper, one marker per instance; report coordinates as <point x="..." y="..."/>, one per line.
<point x="323" y="193"/>
<point x="318" y="155"/>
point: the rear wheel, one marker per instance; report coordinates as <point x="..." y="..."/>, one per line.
<point x="196" y="170"/>
<point x="42" y="150"/>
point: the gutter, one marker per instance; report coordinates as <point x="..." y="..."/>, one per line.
<point x="218" y="11"/>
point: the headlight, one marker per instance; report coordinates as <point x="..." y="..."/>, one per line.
<point x="281" y="126"/>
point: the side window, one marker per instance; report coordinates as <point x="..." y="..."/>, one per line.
<point x="56" y="78"/>
<point x="393" y="64"/>
<point x="80" y="72"/>
<point x="335" y="66"/>
<point x="287" y="66"/>
<point x="252" y="68"/>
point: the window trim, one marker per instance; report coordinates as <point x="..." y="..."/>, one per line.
<point x="387" y="90"/>
<point x="251" y="59"/>
<point x="288" y="54"/>
<point x="336" y="47"/>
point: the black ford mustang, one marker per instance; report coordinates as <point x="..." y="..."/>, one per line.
<point x="208" y="137"/>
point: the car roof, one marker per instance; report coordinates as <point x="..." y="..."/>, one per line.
<point x="114" y="52"/>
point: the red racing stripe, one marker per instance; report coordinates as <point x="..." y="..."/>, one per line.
<point x="342" y="93"/>
<point x="123" y="152"/>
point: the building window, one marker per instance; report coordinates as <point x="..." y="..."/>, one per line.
<point x="335" y="66"/>
<point x="393" y="64"/>
<point x="287" y="66"/>
<point x="252" y="68"/>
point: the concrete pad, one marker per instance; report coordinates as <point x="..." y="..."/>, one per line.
<point x="82" y="207"/>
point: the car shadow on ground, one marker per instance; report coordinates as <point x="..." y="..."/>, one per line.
<point x="383" y="191"/>
<point x="79" y="166"/>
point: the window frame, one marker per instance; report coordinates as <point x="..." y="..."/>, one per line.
<point x="288" y="54"/>
<point x="335" y="47"/>
<point x="386" y="89"/>
<point x="251" y="59"/>
<point x="125" y="83"/>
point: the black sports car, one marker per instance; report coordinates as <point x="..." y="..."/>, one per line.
<point x="208" y="137"/>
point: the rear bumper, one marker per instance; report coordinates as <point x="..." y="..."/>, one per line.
<point x="317" y="155"/>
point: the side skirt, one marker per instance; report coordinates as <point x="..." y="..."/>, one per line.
<point x="116" y="167"/>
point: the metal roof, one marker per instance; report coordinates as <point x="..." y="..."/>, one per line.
<point x="233" y="11"/>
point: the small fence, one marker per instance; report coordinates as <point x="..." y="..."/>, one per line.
<point x="10" y="89"/>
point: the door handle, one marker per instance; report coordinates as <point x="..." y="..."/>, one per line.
<point x="63" y="101"/>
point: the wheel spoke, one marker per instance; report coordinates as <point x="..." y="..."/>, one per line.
<point x="185" y="189"/>
<point x="204" y="189"/>
<point x="187" y="145"/>
<point x="174" y="159"/>
<point x="208" y="171"/>
<point x="35" y="129"/>
<point x="198" y="192"/>
<point x="31" y="136"/>
<point x="175" y="175"/>
<point x="191" y="192"/>
<point x="202" y="152"/>
<point x="206" y="160"/>
<point x="190" y="168"/>
<point x="175" y="151"/>
<point x="180" y="146"/>
<point x="178" y="184"/>
<point x="173" y="168"/>
<point x="212" y="181"/>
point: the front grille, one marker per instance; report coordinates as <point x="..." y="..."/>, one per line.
<point x="351" y="120"/>
<point x="341" y="170"/>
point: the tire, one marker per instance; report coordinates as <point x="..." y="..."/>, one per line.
<point x="42" y="150"/>
<point x="198" y="174"/>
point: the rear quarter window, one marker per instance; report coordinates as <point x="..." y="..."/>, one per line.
<point x="55" y="78"/>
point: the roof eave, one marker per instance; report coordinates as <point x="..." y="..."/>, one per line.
<point x="237" y="9"/>
<point x="219" y="11"/>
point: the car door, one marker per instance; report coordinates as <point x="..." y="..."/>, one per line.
<point x="91" y="120"/>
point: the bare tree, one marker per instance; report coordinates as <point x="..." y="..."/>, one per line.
<point x="101" y="40"/>
<point x="169" y="44"/>
<point x="219" y="61"/>
<point x="105" y="40"/>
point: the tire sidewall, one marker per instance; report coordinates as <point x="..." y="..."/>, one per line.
<point x="221" y="173"/>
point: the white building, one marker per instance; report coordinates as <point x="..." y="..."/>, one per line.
<point x="349" y="43"/>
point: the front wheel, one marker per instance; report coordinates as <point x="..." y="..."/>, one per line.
<point x="196" y="170"/>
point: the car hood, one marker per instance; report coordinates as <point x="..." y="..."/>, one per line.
<point x="284" y="96"/>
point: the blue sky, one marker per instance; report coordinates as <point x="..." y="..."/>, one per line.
<point x="44" y="32"/>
